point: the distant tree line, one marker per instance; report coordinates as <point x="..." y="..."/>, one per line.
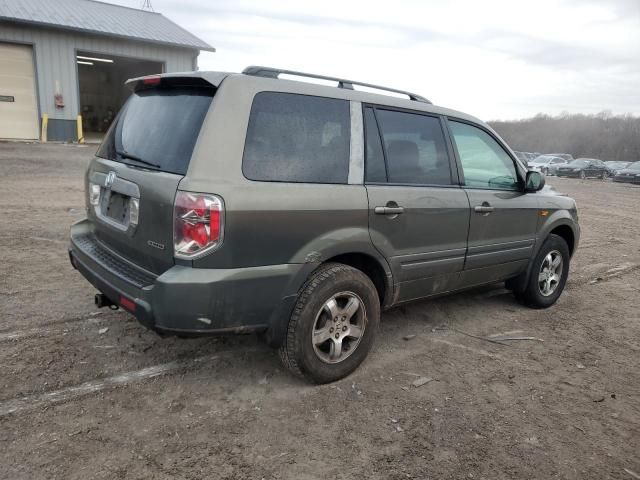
<point x="604" y="136"/>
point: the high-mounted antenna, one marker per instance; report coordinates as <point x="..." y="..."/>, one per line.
<point x="146" y="5"/>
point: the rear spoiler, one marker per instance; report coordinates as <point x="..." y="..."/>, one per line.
<point x="192" y="79"/>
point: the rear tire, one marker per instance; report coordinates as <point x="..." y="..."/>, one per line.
<point x="333" y="324"/>
<point x="548" y="275"/>
<point x="583" y="175"/>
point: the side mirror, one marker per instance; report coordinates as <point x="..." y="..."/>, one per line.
<point x="535" y="182"/>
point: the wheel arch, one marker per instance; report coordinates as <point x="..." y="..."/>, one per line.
<point x="560" y="223"/>
<point x="373" y="268"/>
<point x="566" y="233"/>
<point x="351" y="246"/>
<point x="365" y="258"/>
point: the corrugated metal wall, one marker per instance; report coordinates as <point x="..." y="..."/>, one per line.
<point x="56" y="63"/>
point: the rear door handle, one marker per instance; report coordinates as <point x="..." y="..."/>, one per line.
<point x="388" y="210"/>
<point x="484" y="209"/>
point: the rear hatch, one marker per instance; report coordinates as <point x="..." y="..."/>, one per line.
<point x="137" y="169"/>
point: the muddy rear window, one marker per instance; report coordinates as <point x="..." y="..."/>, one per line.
<point x="157" y="128"/>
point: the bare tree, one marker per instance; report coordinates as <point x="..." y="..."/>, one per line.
<point x="604" y="135"/>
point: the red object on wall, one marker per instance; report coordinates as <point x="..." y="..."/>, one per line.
<point x="59" y="100"/>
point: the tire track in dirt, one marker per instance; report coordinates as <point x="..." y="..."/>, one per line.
<point x="74" y="324"/>
<point x="75" y="392"/>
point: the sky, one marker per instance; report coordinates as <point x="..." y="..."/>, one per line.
<point x="495" y="59"/>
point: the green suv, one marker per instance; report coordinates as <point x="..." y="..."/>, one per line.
<point x="234" y="203"/>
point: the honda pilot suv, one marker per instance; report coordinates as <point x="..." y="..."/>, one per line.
<point x="234" y="203"/>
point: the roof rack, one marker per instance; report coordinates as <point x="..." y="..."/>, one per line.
<point x="270" y="72"/>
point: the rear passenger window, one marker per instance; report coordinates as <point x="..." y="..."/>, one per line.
<point x="415" y="148"/>
<point x="297" y="138"/>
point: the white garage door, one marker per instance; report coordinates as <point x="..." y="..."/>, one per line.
<point x="18" y="111"/>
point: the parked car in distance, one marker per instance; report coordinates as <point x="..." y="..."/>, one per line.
<point x="631" y="174"/>
<point x="567" y="156"/>
<point x="584" y="168"/>
<point x="533" y="156"/>
<point x="615" y="167"/>
<point x="526" y="157"/>
<point x="523" y="157"/>
<point x="226" y="203"/>
<point x="547" y="164"/>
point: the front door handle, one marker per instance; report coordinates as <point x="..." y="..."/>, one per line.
<point x="388" y="210"/>
<point x="484" y="209"/>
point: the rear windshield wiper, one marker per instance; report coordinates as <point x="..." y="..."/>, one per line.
<point x="124" y="154"/>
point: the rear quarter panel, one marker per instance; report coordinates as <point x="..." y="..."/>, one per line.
<point x="268" y="223"/>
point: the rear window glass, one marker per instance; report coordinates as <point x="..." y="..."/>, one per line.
<point x="157" y="128"/>
<point x="297" y="138"/>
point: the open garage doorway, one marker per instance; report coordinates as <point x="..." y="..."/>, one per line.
<point x="101" y="80"/>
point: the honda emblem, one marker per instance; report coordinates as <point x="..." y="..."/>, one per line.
<point x="110" y="178"/>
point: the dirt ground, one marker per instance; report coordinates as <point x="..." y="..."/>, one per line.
<point x="92" y="394"/>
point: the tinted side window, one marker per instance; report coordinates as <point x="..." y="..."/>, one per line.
<point x="484" y="162"/>
<point x="297" y="138"/>
<point x="415" y="148"/>
<point x="375" y="170"/>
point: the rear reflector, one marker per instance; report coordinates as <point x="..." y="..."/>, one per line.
<point x="198" y="223"/>
<point x="127" y="303"/>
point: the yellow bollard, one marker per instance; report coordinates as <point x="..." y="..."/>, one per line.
<point x="45" y="124"/>
<point x="79" y="125"/>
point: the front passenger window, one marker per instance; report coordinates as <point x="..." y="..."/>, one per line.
<point x="484" y="162"/>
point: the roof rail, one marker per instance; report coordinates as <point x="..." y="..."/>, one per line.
<point x="270" y="72"/>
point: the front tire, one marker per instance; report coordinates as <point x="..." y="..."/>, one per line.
<point x="548" y="274"/>
<point x="583" y="175"/>
<point x="333" y="324"/>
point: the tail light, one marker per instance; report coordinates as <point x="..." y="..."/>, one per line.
<point x="197" y="224"/>
<point x="94" y="194"/>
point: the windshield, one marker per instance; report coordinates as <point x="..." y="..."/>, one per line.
<point x="634" y="166"/>
<point x="579" y="163"/>
<point x="157" y="128"/>
<point x="541" y="160"/>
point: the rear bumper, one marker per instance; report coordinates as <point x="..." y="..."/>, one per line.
<point x="191" y="301"/>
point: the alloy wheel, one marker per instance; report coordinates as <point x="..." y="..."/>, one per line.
<point x="550" y="273"/>
<point x="339" y="327"/>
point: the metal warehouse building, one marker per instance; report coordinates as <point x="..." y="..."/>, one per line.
<point x="64" y="58"/>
